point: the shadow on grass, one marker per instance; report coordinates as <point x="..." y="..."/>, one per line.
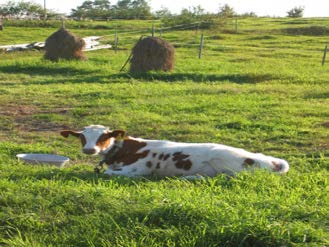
<point x="263" y="37"/>
<point x="196" y="77"/>
<point x="67" y="73"/>
<point x="80" y="76"/>
<point x="317" y="95"/>
<point x="36" y="70"/>
<point x="85" y="174"/>
<point x="78" y="173"/>
<point x="310" y="30"/>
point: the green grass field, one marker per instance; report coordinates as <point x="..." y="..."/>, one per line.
<point x="262" y="89"/>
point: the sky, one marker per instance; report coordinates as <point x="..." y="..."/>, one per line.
<point x="277" y="8"/>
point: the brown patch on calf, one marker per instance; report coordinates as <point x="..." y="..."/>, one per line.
<point x="248" y="162"/>
<point x="181" y="162"/>
<point x="103" y="141"/>
<point x="149" y="164"/>
<point x="277" y="166"/>
<point x="179" y="155"/>
<point x="66" y="133"/>
<point x="158" y="165"/>
<point x="166" y="156"/>
<point x="128" y="154"/>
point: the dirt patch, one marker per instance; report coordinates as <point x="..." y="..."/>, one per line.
<point x="325" y="124"/>
<point x="30" y="125"/>
<point x="22" y="118"/>
<point x="310" y="30"/>
<point x="21" y="110"/>
<point x="324" y="145"/>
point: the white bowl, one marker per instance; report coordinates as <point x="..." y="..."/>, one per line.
<point x="49" y="159"/>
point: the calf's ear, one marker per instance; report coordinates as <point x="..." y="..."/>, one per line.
<point x="118" y="133"/>
<point x="66" y="133"/>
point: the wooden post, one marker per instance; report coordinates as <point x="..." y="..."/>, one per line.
<point x="63" y="22"/>
<point x="197" y="28"/>
<point x="116" y="42"/>
<point x="44" y="11"/>
<point x="153" y="29"/>
<point x="201" y="46"/>
<point x="324" y="55"/>
<point x="236" y="24"/>
<point x="130" y="56"/>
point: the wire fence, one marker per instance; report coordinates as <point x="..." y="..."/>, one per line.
<point x="198" y="38"/>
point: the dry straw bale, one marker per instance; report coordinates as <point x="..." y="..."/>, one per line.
<point x="64" y="45"/>
<point x="152" y="53"/>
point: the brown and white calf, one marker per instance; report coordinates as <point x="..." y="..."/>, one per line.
<point x="129" y="156"/>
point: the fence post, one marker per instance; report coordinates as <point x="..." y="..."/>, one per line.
<point x="324" y="55"/>
<point x="44" y="11"/>
<point x="116" y="42"/>
<point x="63" y="21"/>
<point x="153" y="29"/>
<point x="236" y="24"/>
<point x="201" y="46"/>
<point x="197" y="28"/>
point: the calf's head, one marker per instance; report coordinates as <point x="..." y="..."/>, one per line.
<point x="95" y="139"/>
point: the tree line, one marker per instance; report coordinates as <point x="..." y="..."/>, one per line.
<point x="124" y="9"/>
<point x="103" y="9"/>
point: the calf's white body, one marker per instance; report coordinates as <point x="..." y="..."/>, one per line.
<point x="129" y="156"/>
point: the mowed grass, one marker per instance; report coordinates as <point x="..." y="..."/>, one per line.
<point x="261" y="89"/>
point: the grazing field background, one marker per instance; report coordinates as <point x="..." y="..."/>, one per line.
<point x="261" y="88"/>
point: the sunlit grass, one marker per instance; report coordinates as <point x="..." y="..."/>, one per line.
<point x="260" y="89"/>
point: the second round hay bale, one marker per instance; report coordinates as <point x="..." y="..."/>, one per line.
<point x="152" y="53"/>
<point x="64" y="45"/>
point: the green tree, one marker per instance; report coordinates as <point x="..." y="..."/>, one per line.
<point x="21" y="9"/>
<point x="124" y="9"/>
<point x="140" y="9"/>
<point x="296" y="12"/>
<point x="226" y="11"/>
<point x="137" y="9"/>
<point x="187" y="17"/>
<point x="101" y="9"/>
<point x="163" y="13"/>
<point x="123" y="4"/>
<point x="249" y="14"/>
<point x="102" y="5"/>
<point x="121" y="9"/>
<point x="93" y="9"/>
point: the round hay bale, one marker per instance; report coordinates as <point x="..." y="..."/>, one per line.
<point x="64" y="45"/>
<point x="152" y="53"/>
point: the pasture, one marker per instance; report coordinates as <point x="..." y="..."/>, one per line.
<point x="262" y="89"/>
